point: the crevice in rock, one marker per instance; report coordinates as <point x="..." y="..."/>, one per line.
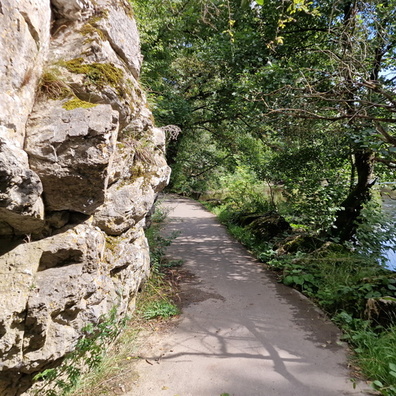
<point x="19" y="320"/>
<point x="117" y="270"/>
<point x="35" y="335"/>
<point x="65" y="220"/>
<point x="57" y="219"/>
<point x="57" y="21"/>
<point x="32" y="29"/>
<point x="67" y="315"/>
<point x="60" y="258"/>
<point x="59" y="222"/>
<point x="14" y="383"/>
<point x="3" y="329"/>
<point x="77" y="218"/>
<point x="8" y="244"/>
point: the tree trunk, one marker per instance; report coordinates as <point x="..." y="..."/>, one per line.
<point x="347" y="218"/>
<point x="346" y="223"/>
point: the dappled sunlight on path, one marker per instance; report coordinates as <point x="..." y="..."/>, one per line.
<point x="240" y="333"/>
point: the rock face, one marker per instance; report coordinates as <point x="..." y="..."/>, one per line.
<point x="81" y="164"/>
<point x="72" y="151"/>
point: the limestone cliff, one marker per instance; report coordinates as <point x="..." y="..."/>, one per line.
<point x="80" y="166"/>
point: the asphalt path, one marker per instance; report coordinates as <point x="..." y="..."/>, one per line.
<point x="241" y="333"/>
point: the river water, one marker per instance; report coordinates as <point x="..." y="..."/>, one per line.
<point x="389" y="206"/>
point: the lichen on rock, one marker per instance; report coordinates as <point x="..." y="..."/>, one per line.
<point x="74" y="124"/>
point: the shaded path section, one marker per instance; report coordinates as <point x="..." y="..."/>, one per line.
<point x="240" y="333"/>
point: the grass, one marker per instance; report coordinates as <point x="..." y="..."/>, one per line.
<point x="159" y="309"/>
<point x="160" y="293"/>
<point x="377" y="359"/>
<point x="374" y="351"/>
<point x="115" y="366"/>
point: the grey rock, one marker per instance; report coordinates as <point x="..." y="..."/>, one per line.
<point x="24" y="40"/>
<point x="122" y="33"/>
<point x="52" y="288"/>
<point x="71" y="151"/>
<point x="129" y="259"/>
<point x="51" y="282"/>
<point x="130" y="199"/>
<point x="21" y="206"/>
<point x="125" y="206"/>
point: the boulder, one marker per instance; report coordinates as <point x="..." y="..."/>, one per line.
<point x="49" y="289"/>
<point x="381" y="310"/>
<point x="140" y="174"/>
<point x="125" y="206"/>
<point x="129" y="263"/>
<point x="72" y="10"/>
<point x="269" y="225"/>
<point x="121" y="31"/>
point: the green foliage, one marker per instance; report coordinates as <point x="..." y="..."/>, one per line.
<point x="287" y="94"/>
<point x="158" y="245"/>
<point x="198" y="165"/>
<point x="313" y="190"/>
<point x="158" y="301"/>
<point x="374" y="351"/>
<point x="376" y="232"/>
<point x="264" y="88"/>
<point x="336" y="280"/>
<point x="88" y="354"/>
<point x="159" y="309"/>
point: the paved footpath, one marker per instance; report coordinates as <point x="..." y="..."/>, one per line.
<point x="241" y="333"/>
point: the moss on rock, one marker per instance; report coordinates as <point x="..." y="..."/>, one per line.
<point x="90" y="30"/>
<point x="76" y="103"/>
<point x="99" y="74"/>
